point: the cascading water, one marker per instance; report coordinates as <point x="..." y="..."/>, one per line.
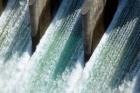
<point x="108" y="69"/>
<point x="57" y="64"/>
<point x="15" y="43"/>
<point x="136" y="81"/>
<point x="59" y="54"/>
<point x="134" y="76"/>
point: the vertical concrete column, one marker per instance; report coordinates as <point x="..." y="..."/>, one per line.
<point x="40" y="18"/>
<point x="93" y="26"/>
<point x="2" y="5"/>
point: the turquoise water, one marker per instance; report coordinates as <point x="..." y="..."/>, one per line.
<point x="59" y="55"/>
<point x="57" y="65"/>
<point x="110" y="68"/>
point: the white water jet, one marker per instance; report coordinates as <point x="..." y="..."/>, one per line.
<point x="15" y="45"/>
<point x="107" y="69"/>
<point x="59" y="55"/>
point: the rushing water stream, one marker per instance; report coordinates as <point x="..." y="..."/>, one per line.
<point x="110" y="68"/>
<point x="15" y="43"/>
<point x="59" y="54"/>
<point x="57" y="65"/>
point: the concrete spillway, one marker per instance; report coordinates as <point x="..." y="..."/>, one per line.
<point x="108" y="68"/>
<point x="59" y="55"/>
<point x="57" y="65"/>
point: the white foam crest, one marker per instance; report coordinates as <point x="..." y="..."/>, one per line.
<point x="75" y="75"/>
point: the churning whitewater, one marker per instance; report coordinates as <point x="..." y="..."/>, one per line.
<point x="15" y="45"/>
<point x="57" y="65"/>
<point x="59" y="55"/>
<point x="111" y="68"/>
